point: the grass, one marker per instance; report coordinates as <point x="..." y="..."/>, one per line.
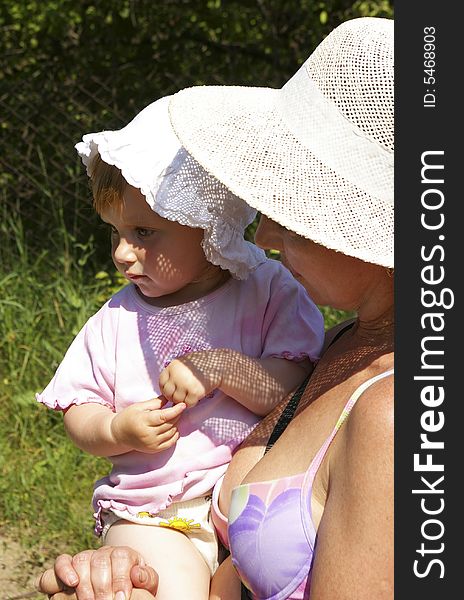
<point x="45" y="298"/>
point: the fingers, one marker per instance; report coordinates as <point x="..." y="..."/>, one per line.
<point x="82" y="564"/>
<point x="48" y="583"/>
<point x="174" y="381"/>
<point x="163" y="378"/>
<point x="192" y="398"/>
<point x="123" y="559"/>
<point x="179" y="384"/>
<point x="173" y="392"/>
<point x="153" y="404"/>
<point x="64" y="595"/>
<point x="166" y="415"/>
<point x="55" y="580"/>
<point x="178" y="394"/>
<point x="99" y="574"/>
<point x="156" y="442"/>
<point x="127" y="570"/>
<point x="145" y="578"/>
<point x="153" y="421"/>
<point x="165" y="444"/>
<point x="95" y="570"/>
<point x="163" y="400"/>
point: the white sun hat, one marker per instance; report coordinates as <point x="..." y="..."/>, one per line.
<point x="176" y="187"/>
<point x="316" y="156"/>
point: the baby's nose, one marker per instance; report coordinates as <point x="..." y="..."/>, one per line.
<point x="124" y="252"/>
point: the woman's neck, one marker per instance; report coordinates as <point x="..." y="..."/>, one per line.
<point x="376" y="315"/>
<point x="381" y="324"/>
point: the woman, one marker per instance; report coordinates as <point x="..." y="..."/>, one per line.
<point x="316" y="159"/>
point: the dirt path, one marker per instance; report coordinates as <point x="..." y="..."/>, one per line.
<point x="17" y="571"/>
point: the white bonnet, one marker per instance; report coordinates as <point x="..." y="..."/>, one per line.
<point x="176" y="187"/>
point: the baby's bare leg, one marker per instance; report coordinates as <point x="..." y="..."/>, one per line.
<point x="182" y="571"/>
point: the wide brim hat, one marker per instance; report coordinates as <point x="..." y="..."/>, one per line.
<point x="151" y="158"/>
<point x="316" y="155"/>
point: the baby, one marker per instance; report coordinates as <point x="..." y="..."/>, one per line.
<point x="176" y="369"/>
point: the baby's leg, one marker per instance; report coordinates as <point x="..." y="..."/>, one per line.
<point x="182" y="571"/>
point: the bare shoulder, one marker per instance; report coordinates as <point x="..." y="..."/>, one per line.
<point x="369" y="433"/>
<point x="355" y="533"/>
<point x="373" y="413"/>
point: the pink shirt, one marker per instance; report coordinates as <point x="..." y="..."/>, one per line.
<point x="117" y="357"/>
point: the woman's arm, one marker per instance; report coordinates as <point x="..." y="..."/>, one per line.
<point x="354" y="555"/>
<point x="225" y="584"/>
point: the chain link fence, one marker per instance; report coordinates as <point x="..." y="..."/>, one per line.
<point x="43" y="185"/>
<point x="97" y="63"/>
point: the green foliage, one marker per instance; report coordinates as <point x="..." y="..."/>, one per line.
<point x="67" y="68"/>
<point x="46" y="482"/>
<point x="45" y="298"/>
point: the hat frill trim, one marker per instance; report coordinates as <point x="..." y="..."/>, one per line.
<point x="223" y="244"/>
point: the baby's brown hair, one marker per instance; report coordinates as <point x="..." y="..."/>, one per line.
<point x="107" y="184"/>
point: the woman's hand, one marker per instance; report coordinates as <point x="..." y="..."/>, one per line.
<point x="104" y="574"/>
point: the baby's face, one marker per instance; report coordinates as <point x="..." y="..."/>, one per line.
<point x="162" y="258"/>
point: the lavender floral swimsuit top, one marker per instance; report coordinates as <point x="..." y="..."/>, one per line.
<point x="271" y="532"/>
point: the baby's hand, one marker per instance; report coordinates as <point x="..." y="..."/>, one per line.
<point x="146" y="426"/>
<point x="191" y="377"/>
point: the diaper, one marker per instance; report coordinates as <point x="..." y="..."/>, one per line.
<point x="190" y="517"/>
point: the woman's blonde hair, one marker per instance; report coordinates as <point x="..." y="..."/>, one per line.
<point x="107" y="184"/>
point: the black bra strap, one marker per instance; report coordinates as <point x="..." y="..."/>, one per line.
<point x="287" y="415"/>
<point x="340" y="333"/>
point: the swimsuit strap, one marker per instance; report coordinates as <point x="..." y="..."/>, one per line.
<point x="289" y="410"/>
<point x="316" y="462"/>
<point x="340" y="333"/>
<point x="287" y="415"/>
<point x="306" y="489"/>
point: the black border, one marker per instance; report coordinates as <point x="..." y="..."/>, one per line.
<point x="419" y="129"/>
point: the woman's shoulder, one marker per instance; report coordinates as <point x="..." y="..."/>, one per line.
<point x="371" y="422"/>
<point x="361" y="466"/>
